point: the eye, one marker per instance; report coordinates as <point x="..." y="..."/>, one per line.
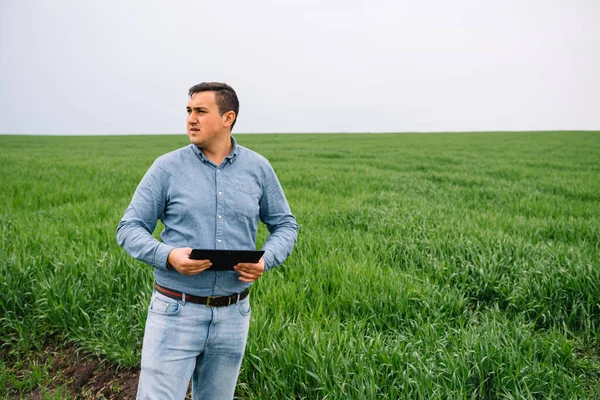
<point x="188" y="110"/>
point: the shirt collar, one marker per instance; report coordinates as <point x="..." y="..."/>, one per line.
<point x="230" y="158"/>
<point x="234" y="151"/>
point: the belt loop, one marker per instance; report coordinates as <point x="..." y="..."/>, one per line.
<point x="238" y="300"/>
<point x="183" y="298"/>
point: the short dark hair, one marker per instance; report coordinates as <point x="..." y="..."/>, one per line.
<point x="225" y="96"/>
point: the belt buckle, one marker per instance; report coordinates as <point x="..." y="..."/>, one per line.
<point x="208" y="301"/>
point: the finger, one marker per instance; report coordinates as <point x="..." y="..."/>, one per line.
<point x="199" y="267"/>
<point x="244" y="277"/>
<point x="189" y="272"/>
<point x="248" y="267"/>
<point x="197" y="263"/>
<point x="193" y="271"/>
<point x="203" y="263"/>
<point x="248" y="277"/>
<point x="247" y="274"/>
<point x="195" y="268"/>
<point x="252" y="265"/>
<point x="243" y="269"/>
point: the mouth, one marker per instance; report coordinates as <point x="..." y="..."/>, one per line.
<point x="194" y="129"/>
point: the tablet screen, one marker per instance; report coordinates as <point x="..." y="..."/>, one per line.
<point x="224" y="260"/>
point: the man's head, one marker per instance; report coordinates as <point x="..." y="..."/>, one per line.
<point x="212" y="111"/>
<point x="225" y="96"/>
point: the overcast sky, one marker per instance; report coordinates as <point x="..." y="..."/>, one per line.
<point x="124" y="67"/>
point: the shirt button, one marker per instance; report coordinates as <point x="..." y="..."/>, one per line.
<point x="218" y="170"/>
<point x="220" y="193"/>
<point x="219" y="240"/>
<point x="219" y="217"/>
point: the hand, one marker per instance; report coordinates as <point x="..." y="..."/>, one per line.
<point x="250" y="272"/>
<point x="180" y="260"/>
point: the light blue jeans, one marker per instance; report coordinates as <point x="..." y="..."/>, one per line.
<point x="184" y="340"/>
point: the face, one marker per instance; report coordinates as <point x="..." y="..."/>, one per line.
<point x="205" y="125"/>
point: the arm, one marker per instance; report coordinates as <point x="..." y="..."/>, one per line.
<point x="275" y="213"/>
<point x="134" y="233"/>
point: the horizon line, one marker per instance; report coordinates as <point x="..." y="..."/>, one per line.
<point x="304" y="133"/>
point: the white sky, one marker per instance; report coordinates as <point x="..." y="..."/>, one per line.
<point x="124" y="67"/>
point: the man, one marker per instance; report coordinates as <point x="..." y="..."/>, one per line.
<point x="209" y="195"/>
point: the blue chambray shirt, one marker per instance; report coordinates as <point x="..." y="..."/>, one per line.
<point x="209" y="207"/>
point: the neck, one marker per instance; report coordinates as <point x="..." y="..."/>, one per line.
<point x="218" y="150"/>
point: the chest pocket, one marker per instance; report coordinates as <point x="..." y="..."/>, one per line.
<point x="246" y="200"/>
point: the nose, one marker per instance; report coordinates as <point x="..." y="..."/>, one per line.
<point x="191" y="118"/>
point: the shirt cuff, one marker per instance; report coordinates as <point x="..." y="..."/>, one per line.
<point x="268" y="257"/>
<point x="161" y="255"/>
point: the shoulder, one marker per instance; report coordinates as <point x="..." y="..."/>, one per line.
<point x="256" y="165"/>
<point x="175" y="159"/>
<point x="252" y="157"/>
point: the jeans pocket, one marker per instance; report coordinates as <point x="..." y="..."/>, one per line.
<point x="244" y="307"/>
<point x="163" y="305"/>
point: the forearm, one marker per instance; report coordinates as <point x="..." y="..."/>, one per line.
<point x="280" y="242"/>
<point x="139" y="243"/>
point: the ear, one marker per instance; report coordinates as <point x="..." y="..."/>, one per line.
<point x="228" y="118"/>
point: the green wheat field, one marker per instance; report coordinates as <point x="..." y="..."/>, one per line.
<point x="428" y="266"/>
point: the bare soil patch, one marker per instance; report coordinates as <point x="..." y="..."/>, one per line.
<point x="81" y="375"/>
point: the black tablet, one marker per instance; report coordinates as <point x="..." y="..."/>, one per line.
<point x="224" y="260"/>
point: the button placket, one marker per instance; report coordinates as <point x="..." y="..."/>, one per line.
<point x="220" y="208"/>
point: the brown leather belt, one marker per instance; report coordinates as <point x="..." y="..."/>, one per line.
<point x="210" y="301"/>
